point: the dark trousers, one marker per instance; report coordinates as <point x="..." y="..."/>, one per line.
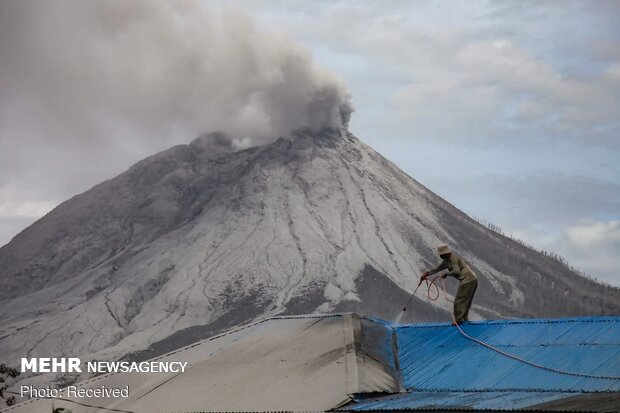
<point x="463" y="299"/>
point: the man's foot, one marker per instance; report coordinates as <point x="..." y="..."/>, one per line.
<point x="458" y="322"/>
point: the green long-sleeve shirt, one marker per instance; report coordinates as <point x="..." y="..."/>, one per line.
<point x="457" y="268"/>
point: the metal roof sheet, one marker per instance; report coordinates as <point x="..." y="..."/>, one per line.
<point x="376" y="354"/>
<point x="292" y="363"/>
<point x="438" y="357"/>
<point x="295" y="363"/>
<point x="444" y="371"/>
<point x="492" y="400"/>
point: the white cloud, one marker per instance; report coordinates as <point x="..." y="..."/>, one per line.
<point x="474" y="72"/>
<point x="589" y="246"/>
<point x="20" y="207"/>
<point x="593" y="246"/>
<point x="26" y="209"/>
<point x="495" y="87"/>
<point x="613" y="72"/>
<point x="594" y="235"/>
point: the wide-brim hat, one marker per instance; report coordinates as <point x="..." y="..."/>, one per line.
<point x="443" y="249"/>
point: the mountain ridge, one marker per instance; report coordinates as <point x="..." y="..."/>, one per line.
<point x="204" y="236"/>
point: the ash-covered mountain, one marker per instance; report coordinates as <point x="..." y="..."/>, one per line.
<point x="202" y="237"/>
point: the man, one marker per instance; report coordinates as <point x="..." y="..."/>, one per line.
<point x="468" y="282"/>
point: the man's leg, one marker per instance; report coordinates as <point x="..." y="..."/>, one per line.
<point x="460" y="303"/>
<point x="473" y="286"/>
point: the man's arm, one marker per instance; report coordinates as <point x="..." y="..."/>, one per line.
<point x="442" y="266"/>
<point x="454" y="274"/>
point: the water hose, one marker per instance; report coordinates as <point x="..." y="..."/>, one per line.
<point x="502" y="352"/>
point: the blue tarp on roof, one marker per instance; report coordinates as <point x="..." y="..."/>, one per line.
<point x="441" y="368"/>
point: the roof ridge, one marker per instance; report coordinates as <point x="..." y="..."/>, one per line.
<point x="508" y="390"/>
<point x="606" y="319"/>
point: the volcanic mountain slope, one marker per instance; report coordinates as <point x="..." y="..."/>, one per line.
<point x="201" y="237"/>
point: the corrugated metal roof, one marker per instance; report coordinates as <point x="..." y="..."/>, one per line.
<point x="438" y="357"/>
<point x="492" y="400"/>
<point x="442" y="368"/>
<point x="296" y="363"/>
<point x="593" y="402"/>
<point x="288" y="363"/>
<point x="380" y="372"/>
<point x="318" y="362"/>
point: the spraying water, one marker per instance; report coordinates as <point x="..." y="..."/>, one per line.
<point x="431" y="296"/>
<point x="399" y="317"/>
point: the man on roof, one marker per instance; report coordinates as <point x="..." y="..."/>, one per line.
<point x="468" y="283"/>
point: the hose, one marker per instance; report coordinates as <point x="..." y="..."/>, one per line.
<point x="502" y="352"/>
<point x="433" y="297"/>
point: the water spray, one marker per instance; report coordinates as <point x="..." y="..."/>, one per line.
<point x="430" y="296"/>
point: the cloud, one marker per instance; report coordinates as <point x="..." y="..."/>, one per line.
<point x="494" y="88"/>
<point x="554" y="199"/>
<point x="17" y="211"/>
<point x="26" y="209"/>
<point x="487" y="71"/>
<point x="589" y="245"/>
<point x="594" y="246"/>
<point x="11" y="226"/>
<point x="594" y="235"/>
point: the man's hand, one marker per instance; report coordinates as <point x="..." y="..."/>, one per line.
<point x="444" y="275"/>
<point x="424" y="276"/>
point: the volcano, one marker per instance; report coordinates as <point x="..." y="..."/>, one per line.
<point x="206" y="236"/>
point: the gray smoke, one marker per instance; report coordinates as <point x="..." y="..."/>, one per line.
<point x="88" y="88"/>
<point x="98" y="70"/>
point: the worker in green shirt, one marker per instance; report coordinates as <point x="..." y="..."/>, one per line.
<point x="457" y="268"/>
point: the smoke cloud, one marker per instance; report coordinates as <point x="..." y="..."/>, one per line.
<point x="85" y="69"/>
<point x="88" y="88"/>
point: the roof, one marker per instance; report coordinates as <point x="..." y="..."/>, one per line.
<point x="457" y="400"/>
<point x="281" y="363"/>
<point x="441" y="369"/>
<point x="351" y="363"/>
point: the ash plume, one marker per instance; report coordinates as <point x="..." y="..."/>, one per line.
<point x="93" y="71"/>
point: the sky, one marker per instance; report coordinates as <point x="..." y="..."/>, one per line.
<point x="510" y="110"/>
